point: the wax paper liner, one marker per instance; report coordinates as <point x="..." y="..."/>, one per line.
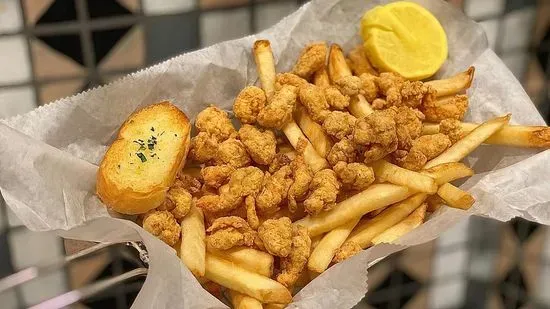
<point x="49" y="156"/>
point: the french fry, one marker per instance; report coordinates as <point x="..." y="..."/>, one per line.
<point x="448" y="172"/>
<point x="359" y="62"/>
<point x="455" y="197"/>
<point x="365" y="231"/>
<point x="312" y="158"/>
<point x="251" y="259"/>
<point x="246" y="282"/>
<point x="263" y="55"/>
<point x="434" y="202"/>
<point x="274" y="306"/>
<point x="319" y="139"/>
<point x="408" y="224"/>
<point x="315" y="241"/>
<point x="509" y="135"/>
<point x="192" y="249"/>
<point x="454" y="84"/>
<point x="404" y="177"/>
<point x="265" y="65"/>
<point x="241" y="301"/>
<point x="323" y="253"/>
<point x="374" y="197"/>
<point x="337" y="66"/>
<point x="321" y="79"/>
<point x="470" y="142"/>
<point x="359" y="107"/>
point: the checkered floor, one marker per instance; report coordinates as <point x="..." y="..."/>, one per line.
<point x="50" y="49"/>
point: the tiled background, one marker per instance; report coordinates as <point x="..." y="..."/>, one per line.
<point x="50" y="49"/>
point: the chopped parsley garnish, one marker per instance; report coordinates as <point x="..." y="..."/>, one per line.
<point x="153" y="129"/>
<point x="175" y="135"/>
<point x="118" y="166"/>
<point x="151" y="142"/>
<point x="141" y="156"/>
<point x="141" y="144"/>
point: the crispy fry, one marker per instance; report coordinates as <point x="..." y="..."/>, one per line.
<point x="470" y="142"/>
<point x="323" y="253"/>
<point x="192" y="248"/>
<point x="509" y="135"/>
<point x="319" y="139"/>
<point x="374" y="197"/>
<point x="312" y="158"/>
<point x="395" y="232"/>
<point x="448" y="172"/>
<point x="337" y="66"/>
<point x="434" y="202"/>
<point x="368" y="229"/>
<point x="254" y="260"/>
<point x="404" y="177"/>
<point x="244" y="281"/>
<point x="359" y="62"/>
<point x="241" y="301"/>
<point x="321" y="79"/>
<point x="263" y="55"/>
<point x="455" y="197"/>
<point x="453" y="84"/>
<point x="359" y="107"/>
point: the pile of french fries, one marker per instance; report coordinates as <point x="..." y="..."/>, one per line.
<point x="398" y="201"/>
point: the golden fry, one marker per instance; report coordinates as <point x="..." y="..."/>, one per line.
<point x="404" y="177"/>
<point x="470" y="142"/>
<point x="192" y="248"/>
<point x="274" y="306"/>
<point x="323" y="253"/>
<point x="434" y="202"/>
<point x="408" y="224"/>
<point x="367" y="230"/>
<point x="359" y="62"/>
<point x="321" y="79"/>
<point x="448" y="172"/>
<point x="509" y="135"/>
<point x="251" y="259"/>
<point x="337" y="66"/>
<point x="453" y="84"/>
<point x="312" y="158"/>
<point x="317" y="136"/>
<point x="233" y="277"/>
<point x="241" y="301"/>
<point x="374" y="197"/>
<point x="455" y="197"/>
<point x="265" y="65"/>
<point x="359" y="107"/>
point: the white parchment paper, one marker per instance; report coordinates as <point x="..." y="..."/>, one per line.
<point x="49" y="157"/>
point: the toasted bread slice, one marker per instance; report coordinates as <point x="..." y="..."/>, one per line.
<point x="142" y="163"/>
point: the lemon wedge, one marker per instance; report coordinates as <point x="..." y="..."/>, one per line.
<point x="405" y="38"/>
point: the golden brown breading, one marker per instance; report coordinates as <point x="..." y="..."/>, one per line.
<point x="228" y="232"/>
<point x="216" y="175"/>
<point x="349" y="85"/>
<point x="280" y="160"/>
<point x="347" y="250"/>
<point x="294" y="263"/>
<point x="215" y="122"/>
<point x="411" y="94"/>
<point x="339" y="124"/>
<point x="445" y="108"/>
<point x="379" y="103"/>
<point x="203" y="147"/>
<point x="182" y="201"/>
<point x="163" y="225"/>
<point x="323" y="191"/>
<point x="313" y="99"/>
<point x="274" y="190"/>
<point x="377" y="131"/>
<point x="251" y="216"/>
<point x="250" y="101"/>
<point x="388" y="80"/>
<point x="232" y="152"/>
<point x="451" y="128"/>
<point x="369" y="87"/>
<point x="344" y="150"/>
<point x="354" y="176"/>
<point x="302" y="176"/>
<point x="279" y="111"/>
<point x="289" y="79"/>
<point x="260" y="144"/>
<point x="189" y="183"/>
<point x="335" y="98"/>
<point x="408" y="123"/>
<point x="311" y="59"/>
<point x="423" y="149"/>
<point x="276" y="236"/>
